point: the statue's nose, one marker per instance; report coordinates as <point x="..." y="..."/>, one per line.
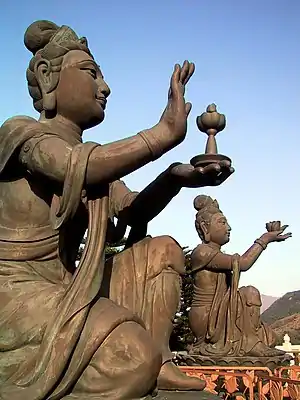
<point x="104" y="89"/>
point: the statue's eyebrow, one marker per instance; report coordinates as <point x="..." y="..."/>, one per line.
<point x="88" y="62"/>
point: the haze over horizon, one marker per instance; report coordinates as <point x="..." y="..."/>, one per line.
<point x="247" y="62"/>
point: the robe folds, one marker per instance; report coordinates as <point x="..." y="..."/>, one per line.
<point x="233" y="324"/>
<point x="47" y="314"/>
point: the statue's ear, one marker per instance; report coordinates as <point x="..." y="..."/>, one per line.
<point x="47" y="83"/>
<point x="204" y="227"/>
<point x="205" y="231"/>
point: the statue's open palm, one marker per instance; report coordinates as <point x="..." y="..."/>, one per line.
<point x="177" y="110"/>
<point x="277" y="235"/>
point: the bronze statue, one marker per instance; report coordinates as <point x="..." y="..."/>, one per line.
<point x="225" y="320"/>
<point x="101" y="329"/>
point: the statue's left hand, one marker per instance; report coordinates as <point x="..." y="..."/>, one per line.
<point x="212" y="175"/>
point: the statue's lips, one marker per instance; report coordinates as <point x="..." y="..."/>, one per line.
<point x="102" y="101"/>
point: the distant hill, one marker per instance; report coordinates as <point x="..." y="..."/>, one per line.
<point x="285" y="306"/>
<point x="284" y="316"/>
<point x="267" y="301"/>
<point x="289" y="325"/>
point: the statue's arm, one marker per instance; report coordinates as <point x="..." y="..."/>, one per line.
<point x="137" y="207"/>
<point x="49" y="155"/>
<point x="148" y="203"/>
<point x="224" y="261"/>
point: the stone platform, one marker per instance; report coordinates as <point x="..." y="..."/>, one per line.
<point x="197" y="360"/>
<point x="168" y="395"/>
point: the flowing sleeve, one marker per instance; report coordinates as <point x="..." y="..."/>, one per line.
<point x="13" y="134"/>
<point x="120" y="198"/>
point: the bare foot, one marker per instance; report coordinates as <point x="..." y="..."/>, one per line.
<point x="261" y="350"/>
<point x="172" y="378"/>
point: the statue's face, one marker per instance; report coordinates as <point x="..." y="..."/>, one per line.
<point x="219" y="229"/>
<point x="81" y="93"/>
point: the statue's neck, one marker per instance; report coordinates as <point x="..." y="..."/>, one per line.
<point x="214" y="245"/>
<point x="62" y="125"/>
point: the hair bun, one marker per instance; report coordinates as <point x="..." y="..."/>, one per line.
<point x="39" y="34"/>
<point x="202" y="201"/>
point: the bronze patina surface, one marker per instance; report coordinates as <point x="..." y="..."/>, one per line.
<point x="224" y="318"/>
<point x="101" y="330"/>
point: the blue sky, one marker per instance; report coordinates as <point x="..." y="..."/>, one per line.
<point x="247" y="57"/>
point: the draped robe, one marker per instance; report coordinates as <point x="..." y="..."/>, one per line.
<point x="231" y="330"/>
<point x="46" y="318"/>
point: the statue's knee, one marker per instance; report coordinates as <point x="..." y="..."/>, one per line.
<point x="146" y="354"/>
<point x="127" y="362"/>
<point x="169" y="253"/>
<point x="252" y="295"/>
<point x="130" y="357"/>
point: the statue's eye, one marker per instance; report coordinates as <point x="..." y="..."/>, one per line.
<point x="91" y="71"/>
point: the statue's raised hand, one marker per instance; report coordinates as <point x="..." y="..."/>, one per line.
<point x="275" y="232"/>
<point x="177" y="110"/>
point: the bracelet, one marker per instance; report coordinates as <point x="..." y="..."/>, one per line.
<point x="152" y="144"/>
<point x="261" y="243"/>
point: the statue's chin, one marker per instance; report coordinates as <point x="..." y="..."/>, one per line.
<point x="227" y="240"/>
<point x="223" y="242"/>
<point x="94" y="121"/>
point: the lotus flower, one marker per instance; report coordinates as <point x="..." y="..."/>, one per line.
<point x="211" y="120"/>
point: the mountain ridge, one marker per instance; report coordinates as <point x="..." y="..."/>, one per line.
<point x="285" y="306"/>
<point x="283" y="316"/>
<point x="267" y="301"/>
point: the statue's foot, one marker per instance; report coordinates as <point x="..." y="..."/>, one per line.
<point x="261" y="350"/>
<point x="172" y="378"/>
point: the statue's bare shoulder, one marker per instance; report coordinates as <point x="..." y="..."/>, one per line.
<point x="201" y="256"/>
